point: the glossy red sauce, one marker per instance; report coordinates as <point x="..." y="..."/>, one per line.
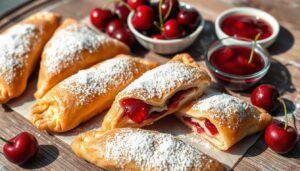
<point x="246" y="26"/>
<point x="234" y="60"/>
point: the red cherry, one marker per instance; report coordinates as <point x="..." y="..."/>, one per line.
<point x="173" y="30"/>
<point x="158" y="37"/>
<point x="279" y="139"/>
<point x="166" y="5"/>
<point x="122" y="12"/>
<point x="21" y="148"/>
<point x="143" y="18"/>
<point x="189" y="18"/>
<point x="135" y="109"/>
<point x="113" y="26"/>
<point x="211" y="127"/>
<point x="265" y="96"/>
<point x="227" y="54"/>
<point x="100" y="18"/>
<point x="241" y="60"/>
<point x="135" y="3"/>
<point x="125" y="36"/>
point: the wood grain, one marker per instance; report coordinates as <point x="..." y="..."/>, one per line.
<point x="284" y="74"/>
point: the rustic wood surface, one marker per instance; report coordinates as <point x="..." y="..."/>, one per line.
<point x="284" y="74"/>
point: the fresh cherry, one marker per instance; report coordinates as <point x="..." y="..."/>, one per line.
<point x="100" y="18"/>
<point x="279" y="138"/>
<point x="135" y="109"/>
<point x="143" y="18"/>
<point x="113" y="26"/>
<point x="135" y="3"/>
<point x="173" y="30"/>
<point x="166" y="5"/>
<point x="122" y="12"/>
<point x="158" y="37"/>
<point x="265" y="96"/>
<point x="21" y="148"/>
<point x="124" y="35"/>
<point x="188" y="18"/>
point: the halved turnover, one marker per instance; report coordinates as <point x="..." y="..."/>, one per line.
<point x="223" y="119"/>
<point x="86" y="93"/>
<point x="157" y="93"/>
<point x="130" y="149"/>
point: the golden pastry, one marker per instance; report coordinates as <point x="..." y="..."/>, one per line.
<point x="20" y="49"/>
<point x="74" y="46"/>
<point x="132" y="149"/>
<point x="157" y="93"/>
<point x="86" y="93"/>
<point x="223" y="119"/>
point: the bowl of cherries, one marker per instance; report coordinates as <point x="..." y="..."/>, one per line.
<point x="166" y="26"/>
<point x="237" y="66"/>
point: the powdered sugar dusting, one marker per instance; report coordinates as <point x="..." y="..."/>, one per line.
<point x="67" y="43"/>
<point x="14" y="47"/>
<point x="156" y="82"/>
<point x="100" y="79"/>
<point x="224" y="107"/>
<point x="153" y="151"/>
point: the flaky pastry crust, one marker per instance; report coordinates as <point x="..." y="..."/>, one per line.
<point x="74" y="46"/>
<point x="21" y="47"/>
<point x="88" y="92"/>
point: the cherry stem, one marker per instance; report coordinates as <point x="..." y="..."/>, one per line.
<point x="125" y="4"/>
<point x="8" y="142"/>
<point x="169" y="10"/>
<point x="157" y="26"/>
<point x="285" y="112"/>
<point x="252" y="50"/>
<point x="160" y="13"/>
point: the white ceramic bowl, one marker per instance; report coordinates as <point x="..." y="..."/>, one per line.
<point x="253" y="12"/>
<point x="167" y="46"/>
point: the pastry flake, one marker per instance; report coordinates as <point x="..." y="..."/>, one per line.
<point x="223" y="119"/>
<point x="86" y="93"/>
<point x="137" y="149"/>
<point x="157" y="93"/>
<point x="20" y="49"/>
<point x="74" y="46"/>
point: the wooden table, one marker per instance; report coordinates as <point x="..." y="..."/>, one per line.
<point x="284" y="74"/>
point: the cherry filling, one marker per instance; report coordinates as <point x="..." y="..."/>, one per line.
<point x="138" y="111"/>
<point x="135" y="109"/>
<point x="200" y="130"/>
<point x="211" y="127"/>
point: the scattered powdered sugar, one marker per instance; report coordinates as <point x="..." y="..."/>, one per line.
<point x="14" y="47"/>
<point x="156" y="82"/>
<point x="100" y="79"/>
<point x="66" y="45"/>
<point x="223" y="106"/>
<point x="152" y="151"/>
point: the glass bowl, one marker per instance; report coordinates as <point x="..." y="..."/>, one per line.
<point x="232" y="81"/>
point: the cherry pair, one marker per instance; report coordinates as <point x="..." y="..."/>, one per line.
<point x="279" y="136"/>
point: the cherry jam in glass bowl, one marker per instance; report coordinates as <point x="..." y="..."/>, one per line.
<point x="229" y="62"/>
<point x="246" y="26"/>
